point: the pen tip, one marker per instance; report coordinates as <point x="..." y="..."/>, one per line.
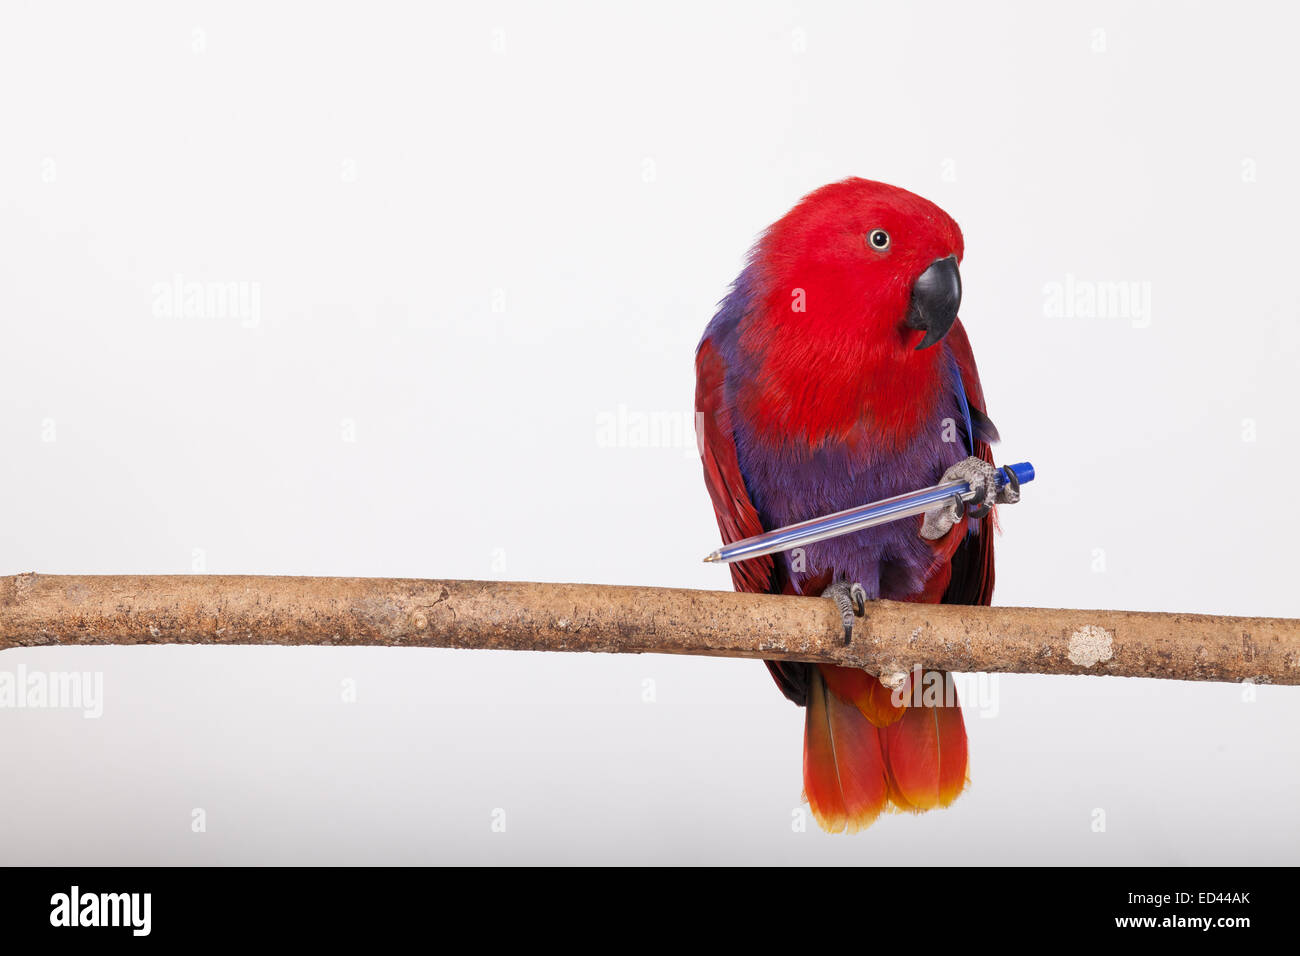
<point x="711" y="558"/>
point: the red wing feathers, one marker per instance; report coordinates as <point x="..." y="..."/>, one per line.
<point x="970" y="565"/>
<point x="737" y="517"/>
<point x="736" y="514"/>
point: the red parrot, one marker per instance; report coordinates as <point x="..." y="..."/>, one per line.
<point x="835" y="373"/>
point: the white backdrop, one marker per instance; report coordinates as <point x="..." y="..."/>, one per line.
<point x="470" y="255"/>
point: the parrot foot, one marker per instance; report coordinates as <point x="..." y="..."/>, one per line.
<point x="851" y="599"/>
<point x="893" y="677"/>
<point x="982" y="477"/>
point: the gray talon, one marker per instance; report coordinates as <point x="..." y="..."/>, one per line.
<point x="851" y="599"/>
<point x="858" y="594"/>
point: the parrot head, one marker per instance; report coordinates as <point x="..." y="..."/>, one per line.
<point x="882" y="261"/>
<point x="852" y="290"/>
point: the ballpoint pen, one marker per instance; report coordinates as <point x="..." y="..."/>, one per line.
<point x="862" y="517"/>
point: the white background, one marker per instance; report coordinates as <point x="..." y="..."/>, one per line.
<point x="475" y="237"/>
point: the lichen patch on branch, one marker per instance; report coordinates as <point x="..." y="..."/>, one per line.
<point x="1091" y="645"/>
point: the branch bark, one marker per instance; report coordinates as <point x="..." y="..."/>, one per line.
<point x="44" y="610"/>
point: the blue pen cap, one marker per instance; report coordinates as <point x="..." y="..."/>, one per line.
<point x="1023" y="470"/>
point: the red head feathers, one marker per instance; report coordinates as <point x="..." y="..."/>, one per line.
<point x="835" y="282"/>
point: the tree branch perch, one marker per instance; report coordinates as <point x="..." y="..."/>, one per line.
<point x="44" y="610"/>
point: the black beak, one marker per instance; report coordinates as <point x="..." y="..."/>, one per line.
<point x="935" y="298"/>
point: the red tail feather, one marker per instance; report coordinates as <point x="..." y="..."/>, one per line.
<point x="925" y="752"/>
<point x="843" y="767"/>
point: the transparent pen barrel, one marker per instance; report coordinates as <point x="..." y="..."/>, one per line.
<point x="846" y="522"/>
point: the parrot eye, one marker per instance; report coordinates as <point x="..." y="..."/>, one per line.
<point x="878" y="239"/>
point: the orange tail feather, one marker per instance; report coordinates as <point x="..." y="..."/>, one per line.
<point x="843" y="766"/>
<point x="925" y="752"/>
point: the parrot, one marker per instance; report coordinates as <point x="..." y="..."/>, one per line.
<point x="833" y="373"/>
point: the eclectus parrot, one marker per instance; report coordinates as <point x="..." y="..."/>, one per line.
<point x="836" y="373"/>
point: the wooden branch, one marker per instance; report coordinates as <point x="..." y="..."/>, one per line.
<point x="43" y="610"/>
